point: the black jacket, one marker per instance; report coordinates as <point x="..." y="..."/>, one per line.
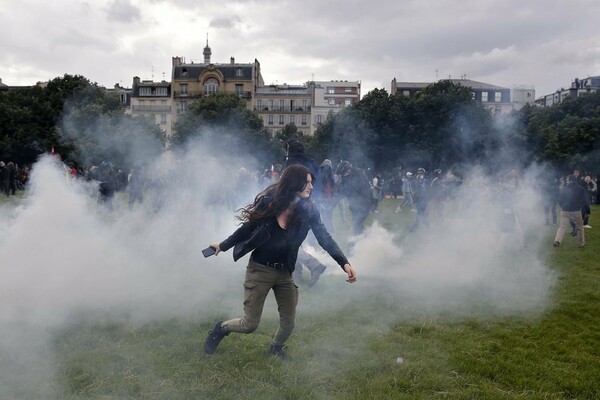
<point x="572" y="197"/>
<point x="248" y="237"/>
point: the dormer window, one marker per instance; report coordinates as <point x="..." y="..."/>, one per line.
<point x="239" y="72"/>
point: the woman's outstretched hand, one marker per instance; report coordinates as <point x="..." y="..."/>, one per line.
<point x="351" y="274"/>
<point x="216" y="247"/>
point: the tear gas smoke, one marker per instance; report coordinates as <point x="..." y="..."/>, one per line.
<point x="64" y="256"/>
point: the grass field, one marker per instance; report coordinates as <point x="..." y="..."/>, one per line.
<point x="350" y="352"/>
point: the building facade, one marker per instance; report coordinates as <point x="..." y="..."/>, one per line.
<point x="153" y="99"/>
<point x="578" y="88"/>
<point x="194" y="80"/>
<point x="280" y="105"/>
<point x="331" y="97"/>
<point x="496" y="99"/>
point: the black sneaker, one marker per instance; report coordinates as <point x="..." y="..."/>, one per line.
<point x="214" y="338"/>
<point x="556" y="244"/>
<point x="279" y="351"/>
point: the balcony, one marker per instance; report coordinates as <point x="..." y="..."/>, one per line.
<point x="193" y="94"/>
<point x="278" y="110"/>
<point x="151" y="108"/>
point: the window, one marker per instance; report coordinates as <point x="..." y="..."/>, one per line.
<point x="331" y="102"/>
<point x="161" y="91"/>
<point x="239" y="72"/>
<point x="239" y="89"/>
<point x="304" y="120"/>
<point x="498" y="111"/>
<point x="484" y="97"/>
<point x="406" y="93"/>
<point x="348" y="90"/>
<point x="123" y="98"/>
<point x="347" y="102"/>
<point x="270" y="105"/>
<point x="259" y="104"/>
<point x="270" y="120"/>
<point x="211" y="86"/>
<point x="498" y="97"/>
<point x="184" y="89"/>
<point x="184" y="72"/>
<point x="319" y="119"/>
<point x="281" y="105"/>
<point x="182" y="106"/>
<point x="282" y="120"/>
<point x="330" y="90"/>
<point x="163" y="119"/>
<point x="293" y="119"/>
<point x="145" y="91"/>
<point x="304" y="105"/>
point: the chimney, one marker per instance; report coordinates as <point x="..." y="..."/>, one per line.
<point x="232" y="60"/>
<point x="176" y="61"/>
<point x="136" y="80"/>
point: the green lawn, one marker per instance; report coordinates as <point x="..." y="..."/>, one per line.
<point x="350" y="352"/>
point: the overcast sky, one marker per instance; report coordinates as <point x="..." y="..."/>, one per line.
<point x="503" y="42"/>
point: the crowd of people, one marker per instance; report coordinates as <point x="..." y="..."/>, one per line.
<point x="12" y="177"/>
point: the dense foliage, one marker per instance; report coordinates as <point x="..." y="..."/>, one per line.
<point x="81" y="121"/>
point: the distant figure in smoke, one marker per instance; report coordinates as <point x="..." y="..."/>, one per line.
<point x="4" y="178"/>
<point x="354" y="185"/>
<point x="437" y="195"/>
<point x="329" y="198"/>
<point x="571" y="200"/>
<point x="136" y="186"/>
<point x="549" y="190"/>
<point x="590" y="192"/>
<point x="376" y="191"/>
<point x="273" y="229"/>
<point x="421" y="198"/>
<point x="510" y="223"/>
<point x="407" y="192"/>
<point x="108" y="184"/>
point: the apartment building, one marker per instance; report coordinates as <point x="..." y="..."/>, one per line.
<point x="192" y="80"/>
<point x="496" y="99"/>
<point x="153" y="99"/>
<point x="331" y="97"/>
<point x="578" y="88"/>
<point x="280" y="105"/>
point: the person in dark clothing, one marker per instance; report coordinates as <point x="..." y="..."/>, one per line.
<point x="550" y="190"/>
<point x="273" y="229"/>
<point x="571" y="200"/>
<point x="421" y="197"/>
<point x="355" y="186"/>
<point x="4" y="178"/>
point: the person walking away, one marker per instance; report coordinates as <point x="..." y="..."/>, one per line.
<point x="571" y="200"/>
<point x="273" y="228"/>
<point x="354" y="185"/>
<point x="407" y="192"/>
<point x="421" y="199"/>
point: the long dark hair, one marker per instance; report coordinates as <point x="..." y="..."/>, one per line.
<point x="280" y="196"/>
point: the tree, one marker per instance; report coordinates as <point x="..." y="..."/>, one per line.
<point x="224" y="117"/>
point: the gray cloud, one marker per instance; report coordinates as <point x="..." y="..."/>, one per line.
<point x="503" y="43"/>
<point x="123" y="11"/>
